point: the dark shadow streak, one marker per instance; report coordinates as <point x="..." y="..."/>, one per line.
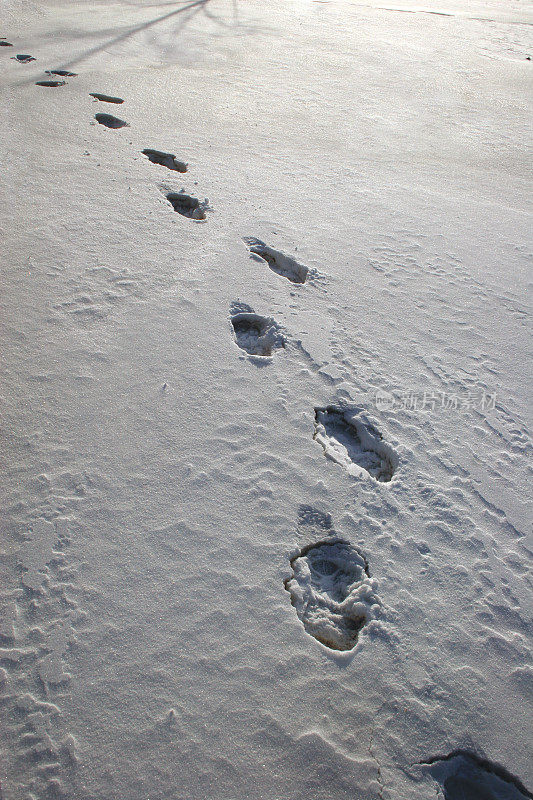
<point x="194" y="6"/>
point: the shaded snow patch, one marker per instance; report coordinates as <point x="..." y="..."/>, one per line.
<point x="332" y="592"/>
<point x="354" y="443"/>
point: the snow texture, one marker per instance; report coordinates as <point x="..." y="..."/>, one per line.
<point x="163" y="478"/>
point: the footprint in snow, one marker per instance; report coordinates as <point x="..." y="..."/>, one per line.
<point x="354" y="443"/>
<point x="167" y="160"/>
<point x="110" y="121"/>
<point x="258" y="336"/>
<point x="5" y="43"/>
<point x="281" y="264"/>
<point x="332" y="592"/>
<point x="106" y="98"/>
<point x="188" y="206"/>
<point x="63" y="73"/>
<point x="465" y="776"/>
<point x="23" y="58"/>
<point x="50" y="83"/>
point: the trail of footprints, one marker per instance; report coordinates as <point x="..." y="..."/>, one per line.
<point x="328" y="599"/>
<point x="330" y="585"/>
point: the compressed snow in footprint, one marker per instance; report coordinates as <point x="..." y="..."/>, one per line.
<point x="354" y="444"/>
<point x="333" y="593"/>
<point x="259" y="336"/>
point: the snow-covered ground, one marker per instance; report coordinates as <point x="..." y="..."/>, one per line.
<point x="266" y="504"/>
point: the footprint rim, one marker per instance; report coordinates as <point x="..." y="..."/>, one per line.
<point x="63" y="73"/>
<point x="23" y="58"/>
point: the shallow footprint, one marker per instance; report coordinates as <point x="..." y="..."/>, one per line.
<point x="23" y="58"/>
<point x="106" y="98"/>
<point x="354" y="444"/>
<point x="110" y="121"/>
<point x="167" y="160"/>
<point x="332" y="592"/>
<point x="281" y="264"/>
<point x="258" y="336"/>
<point x="50" y="83"/>
<point x="188" y="206"/>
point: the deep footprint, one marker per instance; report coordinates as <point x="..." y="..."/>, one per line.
<point x="332" y="592"/>
<point x="466" y="776"/>
<point x="106" y="98"/>
<point x="187" y="206"/>
<point x="258" y="336"/>
<point x="110" y="121"/>
<point x="281" y="264"/>
<point x="167" y="160"/>
<point x="50" y="83"/>
<point x="354" y="444"/>
<point x="23" y="58"/>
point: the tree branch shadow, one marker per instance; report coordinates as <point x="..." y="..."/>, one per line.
<point x="194" y="6"/>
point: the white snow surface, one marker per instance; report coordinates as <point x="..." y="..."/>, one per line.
<point x="158" y="479"/>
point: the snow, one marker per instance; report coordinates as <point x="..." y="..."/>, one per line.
<point x="159" y="479"/>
